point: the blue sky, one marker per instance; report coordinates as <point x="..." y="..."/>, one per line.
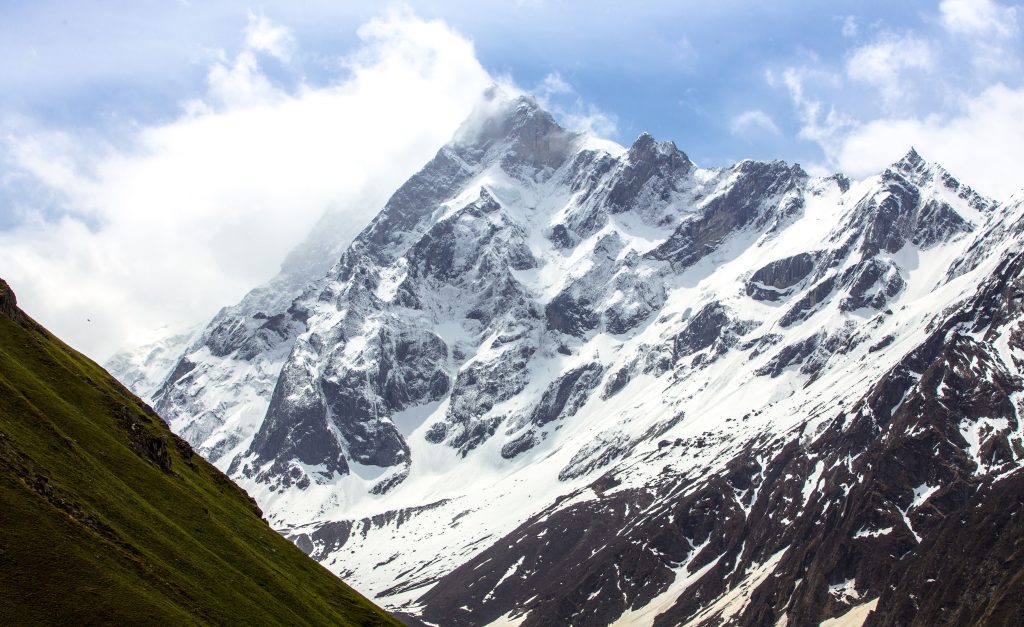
<point x="99" y="96"/>
<point x="680" y="70"/>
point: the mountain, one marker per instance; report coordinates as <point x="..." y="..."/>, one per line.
<point x="144" y="368"/>
<point x="559" y="381"/>
<point x="108" y="518"/>
<point x="236" y="358"/>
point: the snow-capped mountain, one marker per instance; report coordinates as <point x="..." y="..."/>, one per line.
<point x="232" y="364"/>
<point x="557" y="381"/>
<point x="144" y="368"/>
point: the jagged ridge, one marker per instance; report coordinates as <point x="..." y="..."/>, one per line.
<point x="548" y="333"/>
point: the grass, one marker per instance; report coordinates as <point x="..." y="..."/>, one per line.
<point x="107" y="518"/>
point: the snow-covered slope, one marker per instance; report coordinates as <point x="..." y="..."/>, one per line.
<point x="559" y="381"/>
<point x="143" y="368"/>
<point x="212" y="384"/>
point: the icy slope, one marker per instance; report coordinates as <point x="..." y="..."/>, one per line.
<point x="559" y="381"/>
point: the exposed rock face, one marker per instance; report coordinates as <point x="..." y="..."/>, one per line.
<point x="581" y="384"/>
<point x="871" y="284"/>
<point x="9" y="302"/>
<point x="774" y="280"/>
<point x="650" y="171"/>
<point x="762" y="194"/>
<point x="875" y="506"/>
<point x="213" y="384"/>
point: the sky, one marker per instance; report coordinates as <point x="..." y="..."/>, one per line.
<point x="158" y="159"/>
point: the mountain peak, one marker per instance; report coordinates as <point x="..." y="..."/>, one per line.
<point x="498" y="114"/>
<point x="912" y="160"/>
<point x="514" y="129"/>
<point x="913" y="165"/>
<point x="915" y="168"/>
<point x="921" y="172"/>
<point x="528" y="305"/>
<point x="646" y="149"/>
<point x="646" y="142"/>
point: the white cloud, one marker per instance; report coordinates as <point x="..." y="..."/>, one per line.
<point x="240" y="82"/>
<point x="886" y="62"/>
<point x="590" y="119"/>
<point x="983" y="144"/>
<point x="987" y="31"/>
<point x="236" y="84"/>
<point x="978" y="18"/>
<point x="752" y="123"/>
<point x="981" y="141"/>
<point x="818" y="123"/>
<point x="973" y="126"/>
<point x="262" y="35"/>
<point x="552" y="85"/>
<point x="558" y="96"/>
<point x="200" y="209"/>
<point x="850" y="27"/>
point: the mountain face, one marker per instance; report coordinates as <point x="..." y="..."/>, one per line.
<point x="212" y="385"/>
<point x="557" y="381"/>
<point x="106" y="517"/>
<point x="144" y="368"/>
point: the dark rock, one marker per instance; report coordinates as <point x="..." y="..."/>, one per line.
<point x="324" y="540"/>
<point x="571" y="315"/>
<point x="809" y="302"/>
<point x="561" y="237"/>
<point x="478" y="387"/>
<point x="772" y="281"/>
<point x="701" y="330"/>
<point x="871" y="283"/>
<point x="712" y="326"/>
<point x="562" y="399"/>
<point x="295" y="430"/>
<point x="9" y="303"/>
<point x="740" y="206"/>
<point x="389" y="482"/>
<point x="656" y="167"/>
<point x="617" y="381"/>
<point x="182" y="368"/>
<point x="566" y="394"/>
<point x="521" y="444"/>
<point x="882" y="343"/>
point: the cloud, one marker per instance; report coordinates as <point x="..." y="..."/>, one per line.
<point x="236" y="84"/>
<point x="818" y="123"/>
<point x="989" y="33"/>
<point x="850" y="27"/>
<point x="590" y="119"/>
<point x="885" y="63"/>
<point x="191" y="213"/>
<point x="968" y="117"/>
<point x="980" y="140"/>
<point x="753" y="123"/>
<point x="684" y="55"/>
<point x="978" y="18"/>
<point x="262" y="35"/>
<point x="558" y="96"/>
<point x="552" y="85"/>
<point x="983" y="143"/>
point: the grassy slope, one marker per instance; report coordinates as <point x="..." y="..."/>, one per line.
<point x="105" y="517"/>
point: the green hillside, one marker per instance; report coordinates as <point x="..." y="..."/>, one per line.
<point x="107" y="517"/>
